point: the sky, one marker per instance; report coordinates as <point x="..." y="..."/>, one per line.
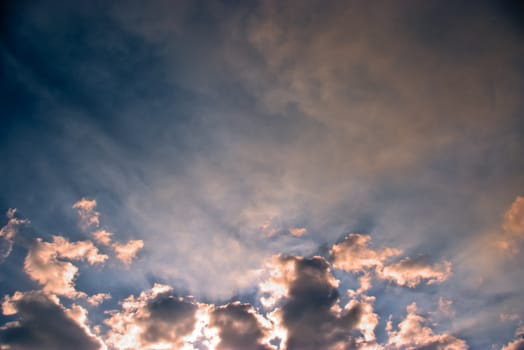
<point x="262" y="175"/>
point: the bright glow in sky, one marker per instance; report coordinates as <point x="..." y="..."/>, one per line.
<point x="291" y="175"/>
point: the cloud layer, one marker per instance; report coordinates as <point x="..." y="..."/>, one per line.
<point x="263" y="174"/>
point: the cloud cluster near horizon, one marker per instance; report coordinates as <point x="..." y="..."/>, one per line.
<point x="300" y="304"/>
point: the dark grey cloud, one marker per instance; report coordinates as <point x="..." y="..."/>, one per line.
<point x="239" y="328"/>
<point x="167" y="319"/>
<point x="44" y="324"/>
<point x="308" y="312"/>
<point x="155" y="317"/>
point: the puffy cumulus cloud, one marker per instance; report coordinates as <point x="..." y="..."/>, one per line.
<point x="517" y="344"/>
<point x="98" y="299"/>
<point x="309" y="310"/>
<point x="411" y="272"/>
<point x="86" y="213"/>
<point x="44" y="324"/>
<point x="367" y="323"/>
<point x="354" y="254"/>
<point x="102" y="237"/>
<point x="8" y="233"/>
<point x="125" y="252"/>
<point x="240" y="328"/>
<point x="46" y="263"/>
<point x="412" y="333"/>
<point x="156" y="319"/>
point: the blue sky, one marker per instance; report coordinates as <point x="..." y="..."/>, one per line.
<point x="346" y="159"/>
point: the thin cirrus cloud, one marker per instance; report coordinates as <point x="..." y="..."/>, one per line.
<point x="215" y="174"/>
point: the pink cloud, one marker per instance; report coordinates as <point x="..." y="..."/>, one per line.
<point x="45" y="264"/>
<point x="86" y="212"/>
<point x="353" y="254"/>
<point x="411" y="272"/>
<point x="298" y="231"/>
<point x="514" y="218"/>
<point x="8" y="233"/>
<point x="98" y="299"/>
<point x="125" y="252"/>
<point x="412" y="333"/>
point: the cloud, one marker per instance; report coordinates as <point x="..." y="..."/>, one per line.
<point x="353" y="254"/>
<point x="102" y="237"/>
<point x="412" y="333"/>
<point x="44" y="324"/>
<point x="298" y="231"/>
<point x="517" y="344"/>
<point x="239" y="327"/>
<point x="97" y="299"/>
<point x="411" y="272"/>
<point x="156" y="319"/>
<point x="45" y="263"/>
<point x="367" y="323"/>
<point x="512" y="234"/>
<point x="125" y="252"/>
<point x="308" y="307"/>
<point x="514" y="218"/>
<point x="86" y="213"/>
<point x="8" y="233"/>
<point x="445" y="306"/>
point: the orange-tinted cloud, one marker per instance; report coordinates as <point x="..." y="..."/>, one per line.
<point x="8" y="233"/>
<point x="512" y="228"/>
<point x="514" y="218"/>
<point x="125" y="252"/>
<point x="86" y="213"/>
<point x="353" y="254"/>
<point x="413" y="333"/>
<point x="98" y="299"/>
<point x="45" y="263"/>
<point x="298" y="231"/>
<point x="411" y="272"/>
